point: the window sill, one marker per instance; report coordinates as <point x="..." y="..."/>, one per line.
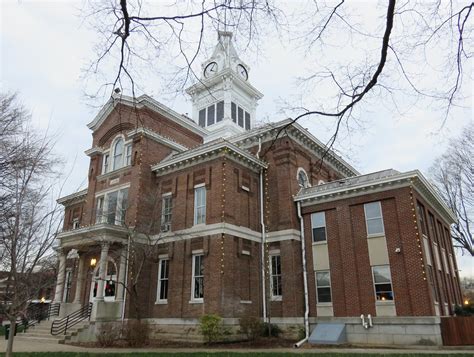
<point x="112" y="173"/>
<point x="324" y="304"/>
<point x="245" y="301"/>
<point x="376" y="235"/>
<point x="384" y="303"/>
<point x="276" y="298"/>
<point x="161" y="302"/>
<point x="201" y="301"/>
<point x="320" y="243"/>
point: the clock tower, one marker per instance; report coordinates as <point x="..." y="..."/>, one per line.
<point x="224" y="102"/>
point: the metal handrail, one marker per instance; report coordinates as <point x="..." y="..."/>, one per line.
<point x="36" y="313"/>
<point x="61" y="326"/>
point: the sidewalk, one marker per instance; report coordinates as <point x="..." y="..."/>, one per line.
<point x="51" y="347"/>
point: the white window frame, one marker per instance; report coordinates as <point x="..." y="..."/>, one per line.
<point x="161" y="279"/>
<point x="318" y="287"/>
<point x="313" y="227"/>
<point x="128" y="154"/>
<point x="275" y="274"/>
<point x="374" y="284"/>
<point x="105" y="162"/>
<point x="302" y="171"/>
<point x="166" y="225"/>
<point x="194" y="277"/>
<point x="203" y="206"/>
<point x="101" y="214"/>
<point x="377" y="234"/>
<point x="75" y="223"/>
<point x="119" y="164"/>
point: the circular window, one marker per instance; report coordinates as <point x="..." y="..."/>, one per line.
<point x="302" y="178"/>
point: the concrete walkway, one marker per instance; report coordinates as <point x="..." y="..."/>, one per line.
<point x="21" y="346"/>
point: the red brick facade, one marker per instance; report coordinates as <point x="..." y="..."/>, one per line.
<point x="231" y="244"/>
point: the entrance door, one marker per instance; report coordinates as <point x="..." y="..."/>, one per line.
<point x="110" y="284"/>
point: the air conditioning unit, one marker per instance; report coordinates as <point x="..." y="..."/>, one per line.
<point x="166" y="227"/>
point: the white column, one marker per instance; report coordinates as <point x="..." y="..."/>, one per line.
<point x="80" y="279"/>
<point x="102" y="266"/>
<point x="61" y="275"/>
<point x="121" y="276"/>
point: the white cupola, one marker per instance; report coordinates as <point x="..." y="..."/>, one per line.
<point x="224" y="102"/>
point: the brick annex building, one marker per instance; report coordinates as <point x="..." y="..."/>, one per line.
<point x="244" y="221"/>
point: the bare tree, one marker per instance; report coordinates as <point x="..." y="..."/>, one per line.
<point x="405" y="54"/>
<point x="29" y="216"/>
<point x="453" y="175"/>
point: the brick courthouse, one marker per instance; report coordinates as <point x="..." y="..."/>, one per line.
<point x="244" y="221"/>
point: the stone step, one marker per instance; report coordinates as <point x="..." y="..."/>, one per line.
<point x="38" y="334"/>
<point x="50" y="339"/>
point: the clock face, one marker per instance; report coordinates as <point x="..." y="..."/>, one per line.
<point x="210" y="69"/>
<point x="242" y="71"/>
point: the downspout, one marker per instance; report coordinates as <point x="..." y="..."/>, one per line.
<point x="262" y="253"/>
<point x="305" y="279"/>
<point x="126" y="281"/>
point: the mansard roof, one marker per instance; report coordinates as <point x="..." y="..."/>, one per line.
<point x="290" y="128"/>
<point x="375" y="182"/>
<point x="150" y="103"/>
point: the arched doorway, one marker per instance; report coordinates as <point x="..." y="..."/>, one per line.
<point x="110" y="284"/>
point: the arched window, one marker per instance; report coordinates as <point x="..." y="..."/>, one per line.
<point x="302" y="178"/>
<point x="321" y="182"/>
<point x="118" y="154"/>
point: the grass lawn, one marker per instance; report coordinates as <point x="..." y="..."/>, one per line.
<point x="225" y="354"/>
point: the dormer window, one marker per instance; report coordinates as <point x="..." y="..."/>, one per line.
<point x="302" y="178"/>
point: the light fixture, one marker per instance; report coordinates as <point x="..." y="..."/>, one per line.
<point x="383" y="298"/>
<point x="43" y="300"/>
<point x="466" y="302"/>
<point x="93" y="262"/>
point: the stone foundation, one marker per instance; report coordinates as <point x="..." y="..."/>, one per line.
<point x="389" y="331"/>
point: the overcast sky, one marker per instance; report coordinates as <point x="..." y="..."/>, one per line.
<point x="46" y="45"/>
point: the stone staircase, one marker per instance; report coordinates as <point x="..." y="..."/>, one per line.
<point x="42" y="333"/>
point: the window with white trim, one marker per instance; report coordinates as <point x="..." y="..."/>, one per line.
<point x="200" y="205"/>
<point x="163" y="277"/>
<point x="302" y="178"/>
<point x="128" y="154"/>
<point x="67" y="285"/>
<point x="166" y="207"/>
<point x="105" y="163"/>
<point x="197" y="283"/>
<point x="323" y="286"/>
<point x="318" y="227"/>
<point x="382" y="283"/>
<point x="211" y="114"/>
<point x="275" y="277"/>
<point x="111" y="208"/>
<point x="373" y="218"/>
<point x="118" y="154"/>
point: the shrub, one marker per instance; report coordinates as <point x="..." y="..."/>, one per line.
<point x="211" y="327"/>
<point x="251" y="326"/>
<point x="270" y="330"/>
<point x="107" y="334"/>
<point x="301" y="332"/>
<point x="136" y="333"/>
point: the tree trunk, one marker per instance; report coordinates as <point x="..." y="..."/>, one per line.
<point x="9" y="352"/>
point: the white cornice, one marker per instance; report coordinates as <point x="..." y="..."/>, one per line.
<point x="150" y="103"/>
<point x="93" y="234"/>
<point x="93" y="150"/>
<point x="77" y="197"/>
<point x="227" y="229"/>
<point x="206" y="84"/>
<point x="298" y="133"/>
<point x="412" y="178"/>
<point x="158" y="138"/>
<point x="205" y="153"/>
